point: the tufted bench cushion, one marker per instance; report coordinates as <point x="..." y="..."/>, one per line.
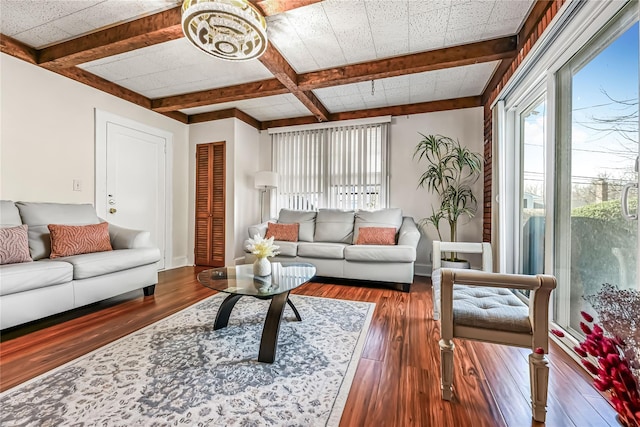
<point x="488" y="308"/>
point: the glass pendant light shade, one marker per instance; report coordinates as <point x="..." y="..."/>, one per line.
<point x="228" y="29"/>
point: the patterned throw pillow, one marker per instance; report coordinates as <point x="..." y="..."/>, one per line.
<point x="14" y="245"/>
<point x="283" y="232"/>
<point x="67" y="240"/>
<point x="376" y="236"/>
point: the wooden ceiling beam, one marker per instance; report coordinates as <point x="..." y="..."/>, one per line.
<point x="150" y="30"/>
<point x="530" y="23"/>
<point x="82" y="76"/>
<point x="218" y="96"/>
<point x="250" y="120"/>
<point x="306" y="120"/>
<point x="396" y="110"/>
<point x="456" y="56"/>
<point x="177" y="115"/>
<point x="284" y="72"/>
<point x="279" y="67"/>
<point x="212" y="115"/>
<point x="403" y="110"/>
<point x="313" y="104"/>
<point x="273" y="7"/>
<point x="225" y="114"/>
<point x="17" y="49"/>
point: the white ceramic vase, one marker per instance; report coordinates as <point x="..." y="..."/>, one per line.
<point x="261" y="267"/>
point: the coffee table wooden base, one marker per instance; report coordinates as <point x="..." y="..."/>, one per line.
<point x="271" y="329"/>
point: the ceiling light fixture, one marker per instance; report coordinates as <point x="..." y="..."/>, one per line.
<point x="228" y="29"/>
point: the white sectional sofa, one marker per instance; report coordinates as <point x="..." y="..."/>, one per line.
<point x="33" y="290"/>
<point x="326" y="239"/>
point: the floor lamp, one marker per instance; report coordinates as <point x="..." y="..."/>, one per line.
<point x="264" y="181"/>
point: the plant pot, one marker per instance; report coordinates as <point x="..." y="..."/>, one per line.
<point x="455" y="264"/>
<point x="261" y="267"/>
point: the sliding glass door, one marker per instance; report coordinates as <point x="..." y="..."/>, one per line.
<point x="597" y="172"/>
<point x="532" y="187"/>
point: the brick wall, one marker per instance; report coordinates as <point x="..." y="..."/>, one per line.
<point x="535" y="24"/>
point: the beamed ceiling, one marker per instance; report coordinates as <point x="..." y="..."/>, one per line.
<point x="421" y="55"/>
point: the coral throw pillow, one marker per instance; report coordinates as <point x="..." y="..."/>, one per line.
<point x="376" y="236"/>
<point x="67" y="240"/>
<point x="14" y="245"/>
<point x="283" y="232"/>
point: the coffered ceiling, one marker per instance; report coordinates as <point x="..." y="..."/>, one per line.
<point x="327" y="60"/>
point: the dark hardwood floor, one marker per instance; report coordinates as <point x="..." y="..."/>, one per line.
<point x="397" y="381"/>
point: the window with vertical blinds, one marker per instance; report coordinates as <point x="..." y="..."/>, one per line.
<point x="342" y="167"/>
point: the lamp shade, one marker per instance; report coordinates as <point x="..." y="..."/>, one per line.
<point x="266" y="179"/>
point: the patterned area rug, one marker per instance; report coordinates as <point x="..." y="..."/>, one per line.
<point x="179" y="371"/>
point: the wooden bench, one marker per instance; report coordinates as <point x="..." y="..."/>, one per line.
<point x="481" y="306"/>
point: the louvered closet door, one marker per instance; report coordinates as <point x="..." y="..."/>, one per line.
<point x="210" y="203"/>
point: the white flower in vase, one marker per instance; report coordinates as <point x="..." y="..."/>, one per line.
<point x="262" y="248"/>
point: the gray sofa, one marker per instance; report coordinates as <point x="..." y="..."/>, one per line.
<point x="33" y="290"/>
<point x="326" y="239"/>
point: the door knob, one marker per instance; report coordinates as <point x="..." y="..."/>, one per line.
<point x="112" y="210"/>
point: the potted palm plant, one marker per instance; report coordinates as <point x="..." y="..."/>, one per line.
<point x="451" y="171"/>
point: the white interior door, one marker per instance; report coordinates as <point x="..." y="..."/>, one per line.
<point x="130" y="176"/>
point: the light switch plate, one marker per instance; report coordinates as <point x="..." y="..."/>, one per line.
<point x="77" y="185"/>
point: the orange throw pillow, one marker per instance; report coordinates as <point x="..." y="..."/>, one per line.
<point x="376" y="236"/>
<point x="67" y="240"/>
<point x="283" y="232"/>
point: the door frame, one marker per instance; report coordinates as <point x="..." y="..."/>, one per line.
<point x="102" y="119"/>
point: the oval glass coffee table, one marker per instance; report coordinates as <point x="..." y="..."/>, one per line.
<point x="239" y="281"/>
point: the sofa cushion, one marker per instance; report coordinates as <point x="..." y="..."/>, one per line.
<point x="258" y="229"/>
<point x="306" y="219"/>
<point x="38" y="215"/>
<point x="9" y="214"/>
<point x="334" y="225"/>
<point x="26" y="276"/>
<point x="100" y="263"/>
<point x="382" y="218"/>
<point x="321" y="250"/>
<point x="14" y="245"/>
<point x="67" y="240"/>
<point x="284" y="232"/>
<point x="376" y="236"/>
<point x="287" y="248"/>
<point x="375" y="253"/>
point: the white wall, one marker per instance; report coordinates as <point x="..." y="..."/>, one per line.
<point x="247" y="197"/>
<point x="47" y="139"/>
<point x="265" y="150"/>
<point x="466" y="125"/>
<point x="242" y="154"/>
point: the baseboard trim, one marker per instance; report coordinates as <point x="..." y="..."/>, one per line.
<point x="178" y="262"/>
<point x="422" y="269"/>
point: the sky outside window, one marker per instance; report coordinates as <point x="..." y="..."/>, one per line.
<point x="605" y="113"/>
